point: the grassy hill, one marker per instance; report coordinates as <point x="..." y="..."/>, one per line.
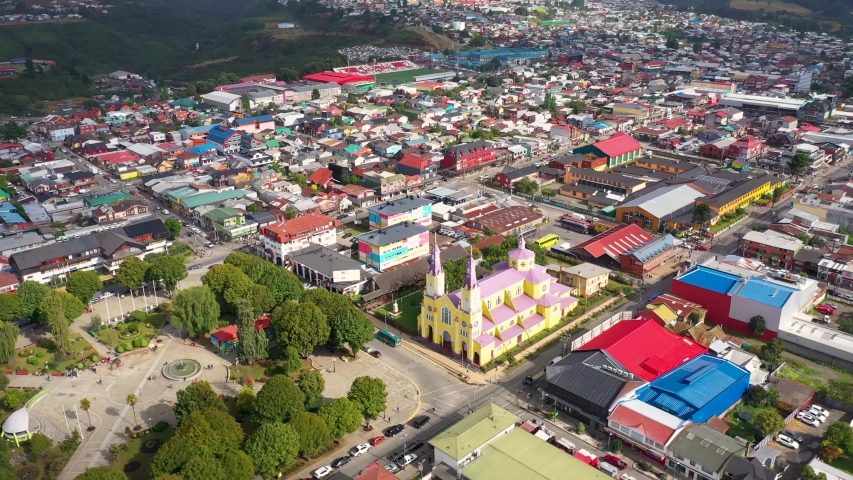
<point x="420" y="37"/>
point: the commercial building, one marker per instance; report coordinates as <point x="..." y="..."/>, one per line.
<point x="230" y="223"/>
<point x="394" y="245"/>
<point x="488" y="317"/>
<point x="386" y="184"/>
<point x="587" y="278"/>
<point x="325" y="268"/>
<point x="648" y="257"/>
<point x="619" y="149"/>
<point x="700" y="453"/>
<point x="652" y="211"/>
<point x="612" y="243"/>
<point x="612" y="182"/>
<point x="769" y="106"/>
<point x="225" y="101"/>
<point x="469" y="156"/>
<point x="407" y="209"/>
<point x="103" y="249"/>
<point x="283" y="238"/>
<point x="734" y="296"/>
<point x="740" y="193"/>
<point x="486" y="445"/>
<point x="506" y="221"/>
<point x="774" y="249"/>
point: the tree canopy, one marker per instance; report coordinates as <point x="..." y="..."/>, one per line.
<point x="196" y="397"/>
<point x="10" y="307"/>
<point x="29" y="295"/>
<point x="702" y="215"/>
<point x="347" y="324"/>
<point x="312" y="431"/>
<point x="370" y="394"/>
<point x="101" y="473"/>
<point x="131" y="273"/>
<point x="83" y="284"/>
<point x="757" y="325"/>
<point x="273" y="446"/>
<point x="71" y="306"/>
<point x="799" y="163"/>
<point x="300" y="325"/>
<point x="174" y="228"/>
<point x="170" y="270"/>
<point x="312" y="384"/>
<point x="342" y="416"/>
<point x="196" y="310"/>
<point x="8" y="337"/>
<point x="279" y="400"/>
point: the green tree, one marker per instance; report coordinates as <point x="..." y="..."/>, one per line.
<point x="702" y="215"/>
<point x="52" y="313"/>
<point x="697" y="47"/>
<point x="771" y="354"/>
<point x="671" y="43"/>
<point x="12" y="132"/>
<point x="223" y="277"/>
<point x="478" y="41"/>
<point x="196" y="310"/>
<point x="279" y="400"/>
<point x="15" y="398"/>
<point x="246" y="400"/>
<point x="616" y="445"/>
<point x="253" y="344"/>
<point x="846" y="325"/>
<point x="10" y="307"/>
<point x="777" y="193"/>
<point x="772" y="397"/>
<point x="799" y="163"/>
<point x="300" y="325"/>
<point x="757" y="326"/>
<point x="252" y="208"/>
<point x="347" y="324"/>
<point x="247" y="103"/>
<point x="694" y="317"/>
<point x="768" y="422"/>
<point x="273" y="446"/>
<point x="292" y="361"/>
<point x="199" y="468"/>
<point x="830" y="453"/>
<point x="370" y="394"/>
<point x="101" y="473"/>
<point x="4" y="381"/>
<point x="312" y="431"/>
<point x="315" y="94"/>
<point x="312" y="384"/>
<point x="237" y="465"/>
<point x="132" y="400"/>
<point x="260" y="299"/>
<point x="83" y="284"/>
<point x="30" y="295"/>
<point x="196" y="397"/>
<point x="71" y="306"/>
<point x="290" y="212"/>
<point x="174" y="228"/>
<point x="40" y="444"/>
<point x="170" y="270"/>
<point x="8" y="337"/>
<point x="131" y="273"/>
<point x="85" y="405"/>
<point x="839" y="434"/>
<point x="808" y="473"/>
<point x="342" y="416"/>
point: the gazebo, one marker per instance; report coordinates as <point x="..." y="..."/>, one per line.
<point x="17" y="427"/>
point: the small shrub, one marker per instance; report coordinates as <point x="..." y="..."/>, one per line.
<point x="160" y="426"/>
<point x="40" y="354"/>
<point x="33" y="361"/>
<point x="138" y="316"/>
<point x="644" y="466"/>
<point x="128" y="346"/>
<point x="119" y="349"/>
<point x="142" y="342"/>
<point x="581" y="428"/>
<point x="80" y="366"/>
<point x="135" y="343"/>
<point x="95" y="358"/>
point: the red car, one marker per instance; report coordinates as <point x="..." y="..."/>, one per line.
<point x="107" y="176"/>
<point x="376" y="440"/>
<point x="616" y="462"/>
<point x="702" y="248"/>
<point x="826" y="309"/>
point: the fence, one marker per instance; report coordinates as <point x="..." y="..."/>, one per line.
<point x="555" y="203"/>
<point x="790" y="418"/>
<point x="600" y="328"/>
<point x="834" y="403"/>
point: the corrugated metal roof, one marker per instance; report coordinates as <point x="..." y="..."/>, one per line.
<point x="664" y="201"/>
<point x="766" y="292"/>
<point x="710" y="279"/>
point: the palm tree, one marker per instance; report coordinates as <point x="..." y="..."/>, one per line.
<point x="132" y="401"/>
<point x="85" y="404"/>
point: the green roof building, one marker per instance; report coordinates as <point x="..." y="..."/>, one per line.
<point x="191" y="202"/>
<point x="96" y="200"/>
<point x="486" y="445"/>
<point x="699" y="451"/>
<point x="230" y="223"/>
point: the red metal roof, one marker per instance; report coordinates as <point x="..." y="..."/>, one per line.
<point x="650" y="428"/>
<point x="645" y="348"/>
<point x="321" y="177"/>
<point x="619" y="144"/>
<point x="227" y="334"/>
<point x="615" y="241"/>
<point x="337" y="77"/>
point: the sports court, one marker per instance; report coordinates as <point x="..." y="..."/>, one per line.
<point x="404" y="76"/>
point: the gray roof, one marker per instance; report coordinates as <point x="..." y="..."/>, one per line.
<point x="399" y="206"/>
<point x="706" y="446"/>
<point x="664" y="201"/>
<point x="326" y="261"/>
<point x="581" y="374"/>
<point x="738" y="191"/>
<point x="587" y="270"/>
<point x="21" y="240"/>
<point x="748" y="469"/>
<point x="394" y="233"/>
<point x="33" y="257"/>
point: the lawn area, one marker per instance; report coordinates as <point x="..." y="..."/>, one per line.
<point x="739" y="427"/>
<point x="406" y="76"/>
<point x="135" y="453"/>
<point x="410" y="308"/>
<point x="43" y="353"/>
<point x="801" y="373"/>
<point x="359" y="229"/>
<point x="123" y="332"/>
<point x="844" y="463"/>
<point x="723" y="223"/>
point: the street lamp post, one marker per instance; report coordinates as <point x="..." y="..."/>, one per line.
<point x="144" y="297"/>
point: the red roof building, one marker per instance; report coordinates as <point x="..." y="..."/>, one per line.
<point x="619" y="149"/>
<point x="321" y="177"/>
<point x="116" y="158"/>
<point x="280" y="239"/>
<point x="337" y="77"/>
<point x="645" y="348"/>
<point x="659" y="431"/>
<point x="612" y="243"/>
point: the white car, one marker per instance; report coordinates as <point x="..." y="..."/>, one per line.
<point x="359" y="449"/>
<point x="72" y="194"/>
<point x="83" y="190"/>
<point x="106" y="294"/>
<point x="392" y="467"/>
<point x="406" y="460"/>
<point x="817" y="414"/>
<point x="808" y="419"/>
<point x="322" y="472"/>
<point x="787" y="441"/>
<point x="820" y="409"/>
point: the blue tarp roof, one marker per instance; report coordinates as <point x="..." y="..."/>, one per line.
<point x="710" y="279"/>
<point x="11" y="218"/>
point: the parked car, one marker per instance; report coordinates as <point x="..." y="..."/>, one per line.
<point x="408" y="459"/>
<point x="808" y="419"/>
<point x="831" y="305"/>
<point x="847" y="296"/>
<point x="826" y="309"/>
<point x="421" y="421"/>
<point x="340" y="462"/>
<point x="796" y="436"/>
<point x="787" y="441"/>
<point x="393" y="430"/>
<point x="396" y="455"/>
<point x="359" y="449"/>
<point x="376" y="440"/>
<point x="194" y="267"/>
<point x="817" y="414"/>
<point x="616" y="462"/>
<point x="392" y="467"/>
<point x="702" y="248"/>
<point x="347" y="235"/>
<point x="322" y="472"/>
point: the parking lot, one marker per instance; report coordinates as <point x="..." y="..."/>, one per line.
<point x="811" y="438"/>
<point x="840" y="312"/>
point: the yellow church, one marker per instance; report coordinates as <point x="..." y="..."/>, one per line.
<point x="487" y="317"/>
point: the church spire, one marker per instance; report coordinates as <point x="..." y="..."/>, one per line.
<point x="435" y="260"/>
<point x="470" y="274"/>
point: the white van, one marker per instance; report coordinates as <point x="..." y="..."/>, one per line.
<point x="609" y="469"/>
<point x="164" y="212"/>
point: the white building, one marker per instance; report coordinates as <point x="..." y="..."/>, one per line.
<point x="224" y="101"/>
<point x="283" y="238"/>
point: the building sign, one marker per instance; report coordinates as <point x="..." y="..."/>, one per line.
<point x="341" y="276"/>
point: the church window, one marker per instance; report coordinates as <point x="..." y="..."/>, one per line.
<point x="445" y="316"/>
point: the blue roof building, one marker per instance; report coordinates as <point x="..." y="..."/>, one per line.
<point x="698" y="390"/>
<point x="710" y="279"/>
